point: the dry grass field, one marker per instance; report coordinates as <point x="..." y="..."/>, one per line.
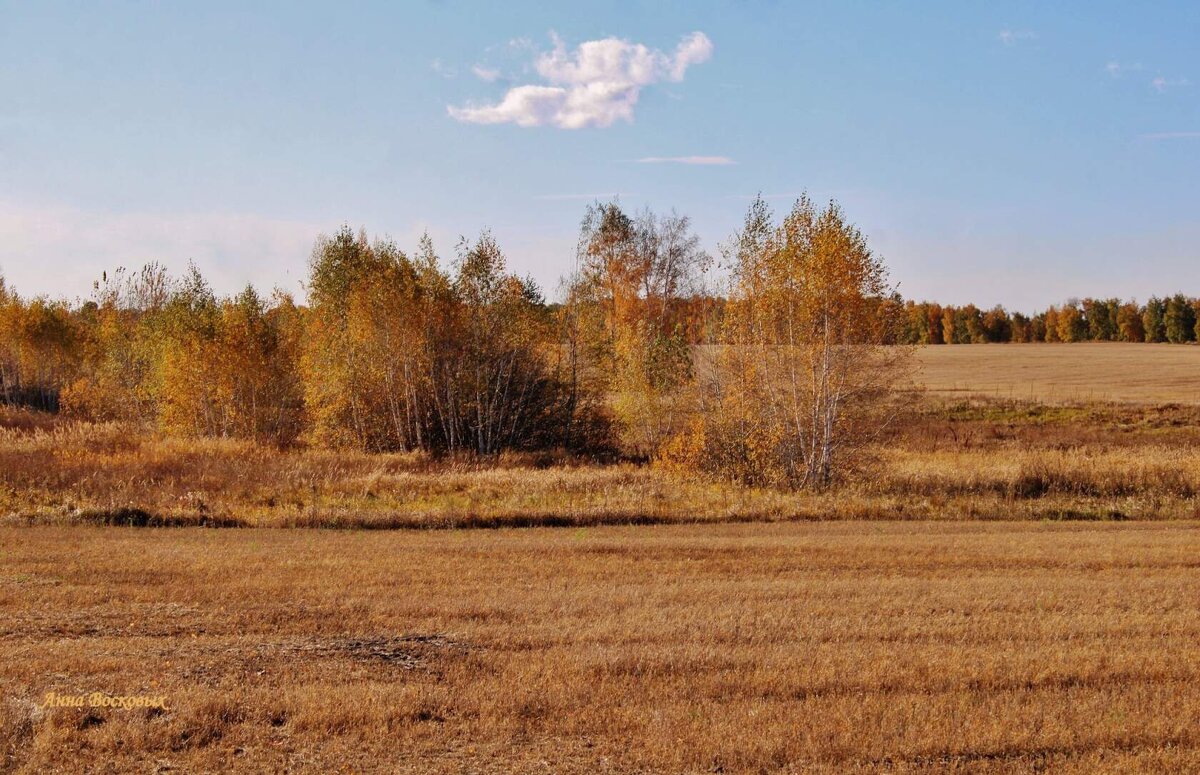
<point x="962" y="460"/>
<point x="898" y="647"/>
<point x="1012" y="586"/>
<point x="1079" y="372"/>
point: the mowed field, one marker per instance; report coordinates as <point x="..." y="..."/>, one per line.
<point x="1056" y="372"/>
<point x="663" y="624"/>
<point x="833" y="647"/>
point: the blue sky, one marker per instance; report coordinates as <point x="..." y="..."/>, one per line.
<point x="1009" y="153"/>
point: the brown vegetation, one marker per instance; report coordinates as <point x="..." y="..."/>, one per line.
<point x="965" y="460"/>
<point x="736" y="648"/>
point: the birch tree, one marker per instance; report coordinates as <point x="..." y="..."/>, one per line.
<point x="806" y="379"/>
<point x="630" y="299"/>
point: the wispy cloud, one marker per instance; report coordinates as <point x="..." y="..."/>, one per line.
<point x="1161" y="84"/>
<point x="485" y="73"/>
<point x="751" y="197"/>
<point x="699" y="160"/>
<point x="443" y="69"/>
<point x="1117" y="69"/>
<point x="1011" y="37"/>
<point x="579" y="197"/>
<point x="593" y="86"/>
<point x="1171" y="136"/>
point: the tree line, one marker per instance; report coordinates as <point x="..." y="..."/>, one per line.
<point x="391" y="352"/>
<point x="1174" y="319"/>
<point x="781" y="378"/>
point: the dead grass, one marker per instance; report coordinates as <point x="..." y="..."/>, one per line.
<point x="899" y="647"/>
<point x="877" y="646"/>
<point x="1056" y="372"/>
<point x="965" y="460"/>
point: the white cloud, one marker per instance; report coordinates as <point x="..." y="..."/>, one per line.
<point x="1171" y="136"/>
<point x="692" y="50"/>
<point x="593" y="86"/>
<point x="703" y="160"/>
<point x="485" y="73"/>
<point x="442" y="69"/>
<point x="1161" y="84"/>
<point x="1117" y="69"/>
<point x="1012" y="37"/>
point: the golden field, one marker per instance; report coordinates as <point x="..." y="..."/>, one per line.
<point x="837" y="647"/>
<point x="1010" y="585"/>
<point x="1057" y="372"/>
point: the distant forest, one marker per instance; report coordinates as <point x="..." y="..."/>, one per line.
<point x="1174" y="319"/>
<point x="145" y="333"/>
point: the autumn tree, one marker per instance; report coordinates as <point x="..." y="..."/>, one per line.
<point x="1051" y="325"/>
<point x="1154" y="320"/>
<point x="585" y="406"/>
<point x="915" y="325"/>
<point x="935" y="324"/>
<point x="10" y="312"/>
<point x="805" y="379"/>
<point x="354" y="288"/>
<point x="38" y="350"/>
<point x="1037" y="328"/>
<point x="512" y="399"/>
<point x="401" y="355"/>
<point x="1179" y="320"/>
<point x="1100" y="315"/>
<point x="997" y="325"/>
<point x="1072" y="325"/>
<point x="1113" y="329"/>
<point x="634" y="279"/>
<point x="122" y="347"/>
<point x="1021" y="328"/>
<point x="1129" y="323"/>
<point x="191" y="399"/>
<point x="950" y="329"/>
<point x="231" y="366"/>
